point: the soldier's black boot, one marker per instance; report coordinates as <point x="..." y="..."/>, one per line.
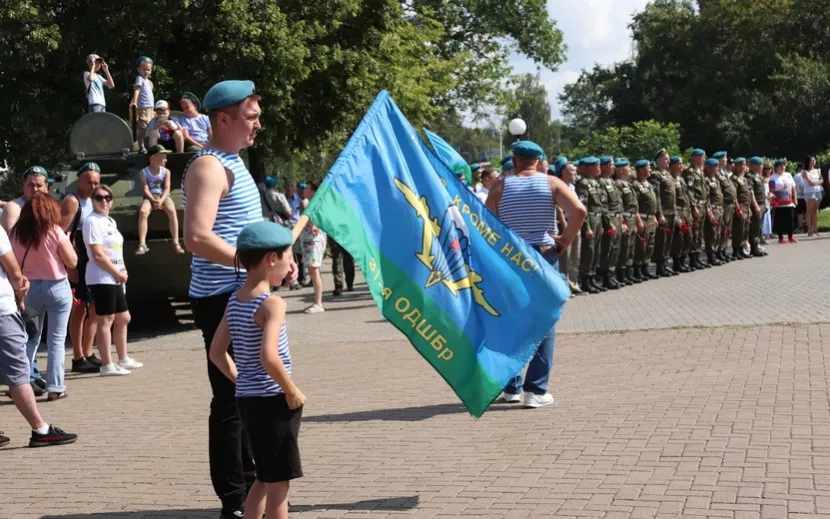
<point x="632" y="275"/>
<point x="670" y="271"/>
<point x="619" y="274"/>
<point x="723" y="257"/>
<point x="648" y="273"/>
<point x="587" y="287"/>
<point x="678" y="266"/>
<point x="700" y="265"/>
<point x="737" y="255"/>
<point x="692" y="266"/>
<point x="597" y="282"/>
<point x="712" y="259"/>
<point x="607" y="282"/>
<point x="613" y="279"/>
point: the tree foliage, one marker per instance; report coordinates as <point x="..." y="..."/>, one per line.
<point x="529" y="100"/>
<point x="317" y="63"/>
<point x="745" y="75"/>
<point x="641" y="140"/>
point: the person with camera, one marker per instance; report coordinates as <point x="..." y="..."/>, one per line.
<point x="95" y="83"/>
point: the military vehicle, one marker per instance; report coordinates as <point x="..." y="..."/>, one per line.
<point x="106" y="139"/>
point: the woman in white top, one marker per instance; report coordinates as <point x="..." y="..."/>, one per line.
<point x="784" y="200"/>
<point x="813" y="192"/>
<point x="105" y="277"/>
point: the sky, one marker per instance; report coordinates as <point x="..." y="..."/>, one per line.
<point x="596" y="31"/>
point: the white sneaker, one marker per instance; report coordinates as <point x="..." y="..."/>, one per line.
<point x="315" y="309"/>
<point x="112" y="370"/>
<point x="509" y="398"/>
<point x="129" y="363"/>
<point x="533" y="400"/>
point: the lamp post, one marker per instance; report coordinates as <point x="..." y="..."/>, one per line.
<point x="517" y="127"/>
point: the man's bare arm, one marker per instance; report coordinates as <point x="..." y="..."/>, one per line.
<point x="69" y="207"/>
<point x="11" y="213"/>
<point x="205" y="184"/>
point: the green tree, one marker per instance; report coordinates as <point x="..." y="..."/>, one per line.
<point x="641" y="140"/>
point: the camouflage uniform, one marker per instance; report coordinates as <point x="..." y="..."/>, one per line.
<point x="625" y="261"/>
<point x="648" y="204"/>
<point x="740" y="222"/>
<point x="713" y="225"/>
<point x="682" y="239"/>
<point x="664" y="185"/>
<point x="611" y="230"/>
<point x="593" y="197"/>
<point x="697" y="190"/>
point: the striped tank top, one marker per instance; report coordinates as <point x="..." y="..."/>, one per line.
<point x="527" y="206"/>
<point x="237" y="209"/>
<point x="246" y="336"/>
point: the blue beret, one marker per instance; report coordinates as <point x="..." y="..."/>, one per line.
<point x="507" y="157"/>
<point x="711" y="162"/>
<point x="264" y="235"/>
<point x="301" y="185"/>
<point x="697" y="152"/>
<point x="605" y="159"/>
<point x="621" y="163"/>
<point x="641" y="163"/>
<point x="227" y="93"/>
<point x="507" y="165"/>
<point x="475" y="167"/>
<point x="270" y="181"/>
<point x="778" y="162"/>
<point x="674" y="159"/>
<point x="578" y="162"/>
<point x="142" y="59"/>
<point x="560" y="164"/>
<point x="553" y="171"/>
<point x="659" y="152"/>
<point x="757" y="161"/>
<point x="35" y="170"/>
<point x="88" y="166"/>
<point x="740" y="160"/>
<point x="589" y="161"/>
<point x="719" y="155"/>
<point x="528" y="149"/>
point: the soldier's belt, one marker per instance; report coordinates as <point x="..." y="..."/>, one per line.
<point x="598" y="213"/>
<point x="614" y="214"/>
<point x="646" y="216"/>
<point x="716" y="206"/>
<point x="629" y="215"/>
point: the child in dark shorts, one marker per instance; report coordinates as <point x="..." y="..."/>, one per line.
<point x="269" y="403"/>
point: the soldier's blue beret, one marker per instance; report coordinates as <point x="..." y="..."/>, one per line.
<point x="227" y="93"/>
<point x="37" y="171"/>
<point x="507" y="157"/>
<point x="740" y="160"/>
<point x="719" y="155"/>
<point x="559" y="164"/>
<point x="674" y="159"/>
<point x="641" y="163"/>
<point x="578" y="162"/>
<point x="621" y="163"/>
<point x="507" y="165"/>
<point x="87" y="166"/>
<point x="605" y="159"/>
<point x="711" y="162"/>
<point x="270" y="181"/>
<point x="589" y="161"/>
<point x="475" y="166"/>
<point x="758" y="161"/>
<point x="778" y="162"/>
<point x="659" y="152"/>
<point x="528" y="150"/>
<point x="697" y="152"/>
<point x="263" y="236"/>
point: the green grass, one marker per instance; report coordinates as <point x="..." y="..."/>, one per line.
<point x="824" y="220"/>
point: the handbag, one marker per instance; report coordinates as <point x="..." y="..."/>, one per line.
<point x="29" y="318"/>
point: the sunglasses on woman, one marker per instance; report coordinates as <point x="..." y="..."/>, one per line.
<point x="101" y="198"/>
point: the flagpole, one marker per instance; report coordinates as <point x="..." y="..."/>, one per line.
<point x="298" y="227"/>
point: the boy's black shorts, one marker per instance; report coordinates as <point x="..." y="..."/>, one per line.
<point x="272" y="431"/>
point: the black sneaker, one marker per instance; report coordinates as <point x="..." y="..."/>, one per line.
<point x="38" y="391"/>
<point x="350" y="289"/>
<point x="55" y="436"/>
<point x="83" y="365"/>
<point x="3" y="439"/>
<point x="239" y="513"/>
<point x="92" y="359"/>
<point x="337" y="292"/>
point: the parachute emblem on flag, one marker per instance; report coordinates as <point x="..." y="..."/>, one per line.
<point x="450" y="263"/>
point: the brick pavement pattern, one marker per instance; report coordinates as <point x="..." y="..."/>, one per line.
<point x="725" y="421"/>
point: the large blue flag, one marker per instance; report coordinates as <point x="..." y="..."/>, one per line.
<point x="472" y="297"/>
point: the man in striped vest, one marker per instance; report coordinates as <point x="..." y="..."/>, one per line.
<point x="220" y="198"/>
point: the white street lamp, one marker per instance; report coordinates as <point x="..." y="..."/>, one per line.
<point x="517" y="127"/>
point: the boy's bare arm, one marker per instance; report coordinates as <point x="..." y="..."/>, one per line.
<point x="272" y="316"/>
<point x="219" y="350"/>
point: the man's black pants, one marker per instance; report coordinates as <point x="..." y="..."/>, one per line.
<point x="231" y="462"/>
<point x="342" y="266"/>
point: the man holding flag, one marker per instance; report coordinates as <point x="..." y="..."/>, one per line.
<point x="527" y="202"/>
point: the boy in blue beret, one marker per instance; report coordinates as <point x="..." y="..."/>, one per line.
<point x="143" y="101"/>
<point x="270" y="404"/>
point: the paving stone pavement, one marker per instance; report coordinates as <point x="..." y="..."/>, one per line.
<point x="727" y="421"/>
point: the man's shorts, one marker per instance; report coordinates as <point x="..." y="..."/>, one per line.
<point x="148" y="202"/>
<point x="273" y="433"/>
<point x="14" y="365"/>
<point x="145" y="115"/>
